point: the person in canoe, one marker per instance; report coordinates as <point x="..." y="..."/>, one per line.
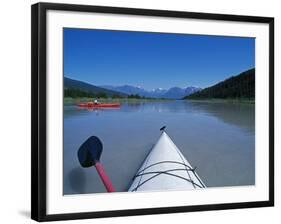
<point x="92" y="104"/>
<point x="96" y="102"/>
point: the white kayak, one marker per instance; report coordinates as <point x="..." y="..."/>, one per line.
<point x="165" y="168"/>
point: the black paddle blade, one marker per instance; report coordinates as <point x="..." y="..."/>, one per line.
<point x="90" y="151"/>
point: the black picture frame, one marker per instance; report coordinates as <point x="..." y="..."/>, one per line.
<point x="39" y="114"/>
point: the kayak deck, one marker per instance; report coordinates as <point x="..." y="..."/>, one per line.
<point x="165" y="168"/>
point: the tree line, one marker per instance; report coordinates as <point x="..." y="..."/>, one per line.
<point x="78" y="93"/>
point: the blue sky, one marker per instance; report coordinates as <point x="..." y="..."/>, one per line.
<point x="153" y="60"/>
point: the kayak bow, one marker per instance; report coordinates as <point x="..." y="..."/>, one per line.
<point x="165" y="168"/>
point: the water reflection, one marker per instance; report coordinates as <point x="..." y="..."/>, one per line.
<point x="77" y="180"/>
<point x="217" y="138"/>
<point x="239" y="114"/>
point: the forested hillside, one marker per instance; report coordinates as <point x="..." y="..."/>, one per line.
<point x="240" y="86"/>
<point x="74" y="88"/>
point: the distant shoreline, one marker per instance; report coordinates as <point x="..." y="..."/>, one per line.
<point x="71" y="101"/>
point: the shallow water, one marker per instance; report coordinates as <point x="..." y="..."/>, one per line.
<point x="217" y="138"/>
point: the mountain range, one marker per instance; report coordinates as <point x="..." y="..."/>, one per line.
<point x="239" y="86"/>
<point x="172" y="93"/>
<point x="125" y="90"/>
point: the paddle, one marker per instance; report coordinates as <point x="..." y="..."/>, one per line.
<point x="89" y="155"/>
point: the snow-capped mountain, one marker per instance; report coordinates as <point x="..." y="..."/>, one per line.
<point x="172" y="93"/>
<point x="157" y="93"/>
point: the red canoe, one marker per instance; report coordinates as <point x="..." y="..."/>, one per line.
<point x="100" y="105"/>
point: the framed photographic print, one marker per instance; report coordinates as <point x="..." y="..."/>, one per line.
<point x="139" y="111"/>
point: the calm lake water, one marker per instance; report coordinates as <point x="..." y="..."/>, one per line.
<point x="217" y="138"/>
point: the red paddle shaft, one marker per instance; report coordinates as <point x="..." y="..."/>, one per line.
<point x="105" y="179"/>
